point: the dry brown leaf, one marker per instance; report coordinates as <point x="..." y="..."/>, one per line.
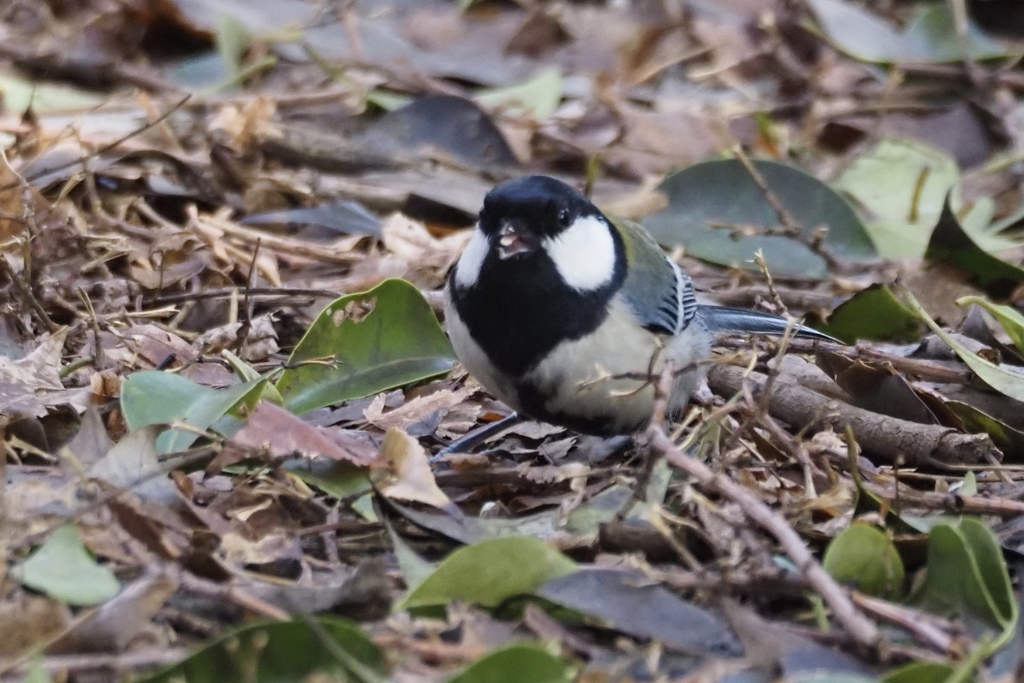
<point x="31" y="384"/>
<point x="415" y="409"/>
<point x="408" y="475"/>
<point x="279" y="432"/>
<point x="30" y="620"/>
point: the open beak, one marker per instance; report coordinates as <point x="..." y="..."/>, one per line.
<point x="512" y="242"/>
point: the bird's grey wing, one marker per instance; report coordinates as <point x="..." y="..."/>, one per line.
<point x="741" y="320"/>
<point x="660" y="295"/>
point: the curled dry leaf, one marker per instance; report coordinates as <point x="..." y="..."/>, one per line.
<point x="414" y="410"/>
<point x="273" y="428"/>
<point x="30" y="384"/>
<point x="408" y="475"/>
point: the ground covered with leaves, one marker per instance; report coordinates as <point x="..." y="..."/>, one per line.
<point x="224" y="230"/>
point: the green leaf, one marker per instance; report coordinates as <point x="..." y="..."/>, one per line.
<point x="1004" y="381"/>
<point x="873" y="313"/>
<point x="20" y="95"/>
<point x="516" y="664"/>
<point x="537" y="97"/>
<point x="951" y="242"/>
<point x="865" y="557"/>
<point x="388" y="100"/>
<point x="36" y="673"/>
<point x="415" y="569"/>
<point x="967" y="578"/>
<point x="490" y="572"/>
<point x="1008" y="317"/>
<point x="717" y="210"/>
<point x="365" y="343"/>
<point x="281" y="652"/>
<point x="930" y="37"/>
<point x="588" y="517"/>
<point x="232" y="40"/>
<point x="919" y="672"/>
<point x="974" y="421"/>
<point x="900" y="185"/>
<point x="336" y="478"/>
<point x="63" y="569"/>
<point x="155" y="397"/>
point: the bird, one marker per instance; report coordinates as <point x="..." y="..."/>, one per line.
<point x="569" y="316"/>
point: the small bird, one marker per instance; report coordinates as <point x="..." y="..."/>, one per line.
<point x="569" y="316"/>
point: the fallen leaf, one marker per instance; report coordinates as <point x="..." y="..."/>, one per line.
<point x="408" y="475"/>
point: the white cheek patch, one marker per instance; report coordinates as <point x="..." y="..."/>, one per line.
<point x="584" y="253"/>
<point x="467" y="271"/>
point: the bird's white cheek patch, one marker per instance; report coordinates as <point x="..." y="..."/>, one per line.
<point x="467" y="272"/>
<point x="584" y="253"/>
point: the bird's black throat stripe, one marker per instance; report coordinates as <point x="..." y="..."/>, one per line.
<point x="520" y="309"/>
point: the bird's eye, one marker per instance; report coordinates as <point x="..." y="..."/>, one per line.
<point x="563" y="218"/>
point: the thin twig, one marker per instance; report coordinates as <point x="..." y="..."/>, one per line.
<point x="27" y="295"/>
<point x="247" y="302"/>
<point x="140" y="659"/>
<point x="253" y="292"/>
<point x="924" y="627"/>
<point x="862" y="629"/>
<point x="786" y="219"/>
<point x="102" y="150"/>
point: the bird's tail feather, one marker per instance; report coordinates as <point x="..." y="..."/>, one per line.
<point x="726" y="319"/>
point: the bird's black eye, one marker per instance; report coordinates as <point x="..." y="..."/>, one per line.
<point x="564" y="217"/>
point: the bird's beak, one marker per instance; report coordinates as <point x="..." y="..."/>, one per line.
<point x="513" y="241"/>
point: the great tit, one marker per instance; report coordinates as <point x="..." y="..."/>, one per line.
<point x="569" y="317"/>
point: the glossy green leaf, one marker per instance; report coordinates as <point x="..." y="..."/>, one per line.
<point x="865" y="557"/>
<point x="718" y="211"/>
<point x="950" y="242"/>
<point x="364" y="343"/>
<point x="516" y="664"/>
<point x="1008" y="317"/>
<point x="538" y="96"/>
<point x="1006" y="438"/>
<point x="281" y="652"/>
<point x="900" y="186"/>
<point x="156" y="397"/>
<point x="873" y="313"/>
<point x="63" y="569"/>
<point x="490" y="572"/>
<point x="1002" y="380"/>
<point x="967" y="578"/>
<point x="930" y="37"/>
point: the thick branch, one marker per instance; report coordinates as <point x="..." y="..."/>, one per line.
<point x="888" y="438"/>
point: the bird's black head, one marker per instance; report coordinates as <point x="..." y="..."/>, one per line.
<point x="520" y="214"/>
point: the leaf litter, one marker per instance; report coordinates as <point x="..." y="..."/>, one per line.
<point x="222" y="377"/>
